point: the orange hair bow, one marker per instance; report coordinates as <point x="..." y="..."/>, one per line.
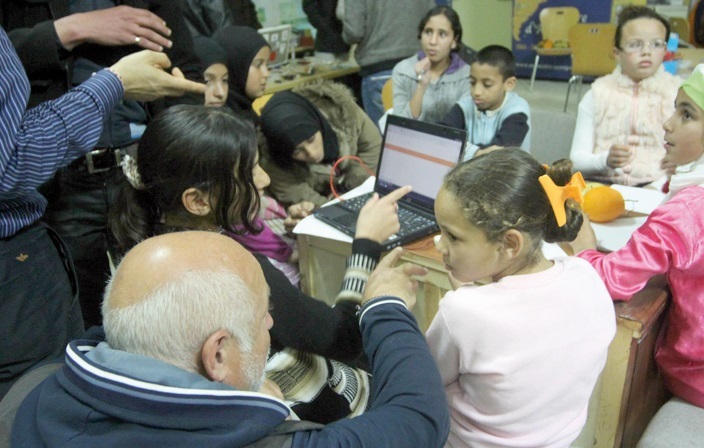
<point x="558" y="195"/>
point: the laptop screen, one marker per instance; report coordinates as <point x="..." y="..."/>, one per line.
<point x="419" y="154"/>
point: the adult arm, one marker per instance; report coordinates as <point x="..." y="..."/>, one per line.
<point x="669" y="238"/>
<point x="332" y="332"/>
<point x="408" y="400"/>
<point x="583" y="142"/>
<point x="355" y="21"/>
<point x="33" y="145"/>
<point x="288" y="186"/>
<point x="307" y="324"/>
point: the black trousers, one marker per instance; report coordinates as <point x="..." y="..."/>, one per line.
<point x="78" y="210"/>
<point x="39" y="308"/>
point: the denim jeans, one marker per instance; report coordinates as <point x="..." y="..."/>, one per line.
<point x="371" y="94"/>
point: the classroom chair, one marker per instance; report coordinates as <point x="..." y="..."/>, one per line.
<point x="259" y="103"/>
<point x="555" y="24"/>
<point x="677" y="424"/>
<point x="592" y="55"/>
<point x="387" y="94"/>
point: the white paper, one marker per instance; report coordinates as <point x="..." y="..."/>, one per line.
<point x="640" y="200"/>
<point x="313" y="226"/>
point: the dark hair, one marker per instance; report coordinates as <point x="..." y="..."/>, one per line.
<point x="499" y="57"/>
<point x="500" y="190"/>
<point x="189" y="147"/>
<point x="451" y="15"/>
<point x="633" y="12"/>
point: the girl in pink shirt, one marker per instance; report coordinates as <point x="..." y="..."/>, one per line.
<point x="670" y="243"/>
<point x="519" y="355"/>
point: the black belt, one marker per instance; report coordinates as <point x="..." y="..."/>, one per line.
<point x="101" y="160"/>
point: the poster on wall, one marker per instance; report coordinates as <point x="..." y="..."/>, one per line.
<point x="526" y="34"/>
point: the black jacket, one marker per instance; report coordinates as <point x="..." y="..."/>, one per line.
<point x="321" y="14"/>
<point x="205" y="17"/>
<point x="29" y="23"/>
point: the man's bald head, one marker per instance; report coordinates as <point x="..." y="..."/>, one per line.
<point x="171" y="292"/>
<point x="165" y="258"/>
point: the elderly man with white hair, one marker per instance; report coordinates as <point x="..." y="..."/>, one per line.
<point x="187" y="322"/>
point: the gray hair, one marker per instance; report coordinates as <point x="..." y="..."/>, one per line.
<point x="173" y="322"/>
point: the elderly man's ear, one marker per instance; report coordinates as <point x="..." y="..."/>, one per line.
<point x="221" y="359"/>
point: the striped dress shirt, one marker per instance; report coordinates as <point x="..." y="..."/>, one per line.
<point x="37" y="142"/>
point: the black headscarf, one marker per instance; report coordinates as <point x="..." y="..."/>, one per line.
<point x="241" y="44"/>
<point x="287" y="120"/>
<point x="209" y="52"/>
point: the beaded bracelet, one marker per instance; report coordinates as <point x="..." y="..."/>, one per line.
<point x="111" y="70"/>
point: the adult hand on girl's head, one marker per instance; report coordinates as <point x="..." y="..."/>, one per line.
<point x="378" y="219"/>
<point x="296" y="213"/>
<point x="391" y="280"/>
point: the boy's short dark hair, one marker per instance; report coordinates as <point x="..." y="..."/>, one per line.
<point x="499" y="57"/>
<point x="633" y="12"/>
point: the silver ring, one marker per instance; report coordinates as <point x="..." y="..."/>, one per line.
<point x="137" y="39"/>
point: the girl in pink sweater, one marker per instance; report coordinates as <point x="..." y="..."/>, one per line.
<point x="519" y="355"/>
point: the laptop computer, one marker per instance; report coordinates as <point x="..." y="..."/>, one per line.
<point x="279" y="38"/>
<point x="415" y="153"/>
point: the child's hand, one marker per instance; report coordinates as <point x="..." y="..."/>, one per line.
<point x="586" y="238"/>
<point x="296" y="213"/>
<point x="487" y="150"/>
<point x="378" y="219"/>
<point x="422" y="69"/>
<point x="619" y="156"/>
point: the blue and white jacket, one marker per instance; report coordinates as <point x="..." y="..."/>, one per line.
<point x="507" y="126"/>
<point x="108" y="398"/>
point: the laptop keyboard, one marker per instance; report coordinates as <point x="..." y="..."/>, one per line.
<point x="411" y="222"/>
<point x="356" y="203"/>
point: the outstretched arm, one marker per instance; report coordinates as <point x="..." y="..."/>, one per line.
<point x="408" y="400"/>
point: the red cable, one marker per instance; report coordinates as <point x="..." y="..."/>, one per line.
<point x="334" y="167"/>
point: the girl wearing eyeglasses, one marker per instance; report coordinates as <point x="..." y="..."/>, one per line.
<point x="618" y="137"/>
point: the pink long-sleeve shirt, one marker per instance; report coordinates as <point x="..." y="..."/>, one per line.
<point x="669" y="242"/>
<point x="519" y="358"/>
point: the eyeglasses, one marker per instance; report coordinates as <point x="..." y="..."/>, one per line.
<point x="638" y="45"/>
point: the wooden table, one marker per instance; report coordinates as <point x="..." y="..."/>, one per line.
<point x="303" y="71"/>
<point x="629" y="392"/>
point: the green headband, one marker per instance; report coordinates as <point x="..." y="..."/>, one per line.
<point x="694" y="86"/>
